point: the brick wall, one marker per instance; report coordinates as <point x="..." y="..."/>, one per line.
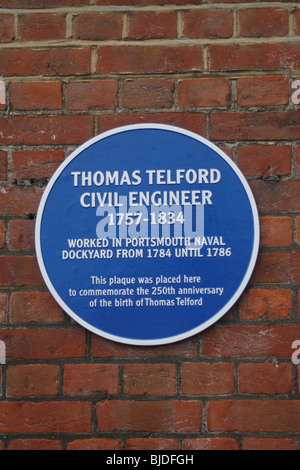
<point x="223" y="69"/>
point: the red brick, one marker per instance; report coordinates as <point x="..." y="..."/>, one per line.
<point x="265" y="160"/>
<point x="32" y="380"/>
<point x="196" y="92"/>
<point x="42" y="26"/>
<point x="297" y="159"/>
<point x="151" y="416"/>
<point x="267" y="125"/>
<point x="298" y="230"/>
<point x="46" y="417"/>
<point x="263" y="22"/>
<point x="254" y="443"/>
<point x="276" y="195"/>
<point x="207" y="379"/>
<point x="149" y="59"/>
<point x="91" y="379"/>
<point x="95" y="444"/>
<point x="151" y="444"/>
<point x="3" y="165"/>
<point x="36" y="95"/>
<point x="152" y="25"/>
<point x="96" y="94"/>
<point x="2" y="234"/>
<point x="47" y="62"/>
<point x="262" y="91"/>
<point x="277" y="267"/>
<point x="249" y="341"/>
<point x="41" y="3"/>
<point x="238" y="57"/>
<point x="297" y="21"/>
<point x="21" y="234"/>
<point x="208" y="24"/>
<point x="44" y="343"/>
<point x="97" y="26"/>
<point x="15" y="200"/>
<point x="46" y="130"/>
<point x="149" y="379"/>
<point x="194" y="122"/>
<point x="148" y="93"/>
<point x="19" y="271"/>
<point x="35" y="164"/>
<point x="105" y="349"/>
<point x="34" y="307"/>
<point x="7" y="33"/>
<point x="146" y="2"/>
<point x="276" y="232"/>
<point x="265" y="378"/>
<point x="254" y="416"/>
<point x="3" y="307"/>
<point x="35" y="444"/>
<point x="266" y="303"/>
<point x="210" y="444"/>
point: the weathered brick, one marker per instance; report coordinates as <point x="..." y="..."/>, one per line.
<point x="96" y="94"/>
<point x="266" y="303"/>
<point x="195" y="92"/>
<point x="97" y="26"/>
<point x="45" y="417"/>
<point x="2" y="235"/>
<point x="254" y="416"/>
<point x="210" y="444"/>
<point x="276" y="443"/>
<point x="21" y="234"/>
<point x="35" y="164"/>
<point x="250" y="341"/>
<point x="19" y="271"/>
<point x="194" y="122"/>
<point x="276" y="232"/>
<point x="16" y="200"/>
<point x="265" y="125"/>
<point x="262" y="91"/>
<point x="265" y="378"/>
<point x="151" y="444"/>
<point x="208" y="24"/>
<point x="149" y="379"/>
<point x="149" y="59"/>
<point x="277" y="268"/>
<point x="95" y="444"/>
<point x="36" y="95"/>
<point x="7" y="32"/>
<point x="32" y="380"/>
<point x="3" y="307"/>
<point x="266" y="56"/>
<point x="151" y="416"/>
<point x="152" y="25"/>
<point x="298" y="230"/>
<point x="35" y="444"/>
<point x="263" y="22"/>
<point x="91" y="379"/>
<point x="276" y="195"/>
<point x="268" y="161"/>
<point x="46" y="130"/>
<point x="33" y="343"/>
<point x="148" y="93"/>
<point x="207" y="379"/>
<point x="3" y="165"/>
<point x="42" y="26"/>
<point x="34" y="307"/>
<point x="105" y="349"/>
<point x="41" y="3"/>
<point x="47" y="62"/>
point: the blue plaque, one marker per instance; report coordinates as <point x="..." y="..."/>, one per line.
<point x="147" y="234"/>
